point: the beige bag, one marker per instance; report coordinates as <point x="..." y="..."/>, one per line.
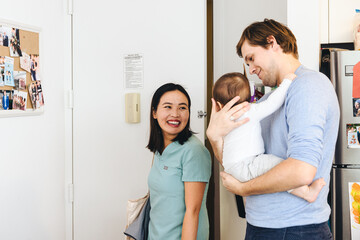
<point x="134" y="208"/>
<point x="139" y="212"/>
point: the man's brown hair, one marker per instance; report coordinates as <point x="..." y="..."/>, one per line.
<point x="231" y="85"/>
<point x="257" y="34"/>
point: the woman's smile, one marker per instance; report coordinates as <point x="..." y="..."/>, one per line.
<point x="172" y="114"/>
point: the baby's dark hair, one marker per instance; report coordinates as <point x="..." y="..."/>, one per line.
<point x="231" y="85"/>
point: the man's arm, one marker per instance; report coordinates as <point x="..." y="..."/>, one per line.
<point x="289" y="174"/>
<point x="275" y="100"/>
<point x="220" y="123"/>
<point x="305" y="120"/>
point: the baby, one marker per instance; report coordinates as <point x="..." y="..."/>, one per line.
<point x="243" y="152"/>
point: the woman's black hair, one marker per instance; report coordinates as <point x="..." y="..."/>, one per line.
<point x="156" y="139"/>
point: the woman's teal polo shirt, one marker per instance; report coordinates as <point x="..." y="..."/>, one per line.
<point x="189" y="162"/>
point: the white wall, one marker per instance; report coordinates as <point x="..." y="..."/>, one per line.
<point x="341" y="20"/>
<point x="303" y="18"/>
<point x="32" y="172"/>
<point x="32" y="179"/>
<point x="32" y="147"/>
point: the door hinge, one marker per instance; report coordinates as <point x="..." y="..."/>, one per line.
<point x="70" y="7"/>
<point x="71" y="192"/>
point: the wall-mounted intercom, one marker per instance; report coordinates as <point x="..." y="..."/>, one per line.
<point x="132" y="107"/>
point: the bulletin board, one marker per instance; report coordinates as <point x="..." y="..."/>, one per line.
<point x="20" y="80"/>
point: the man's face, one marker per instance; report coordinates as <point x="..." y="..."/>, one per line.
<point x="261" y="62"/>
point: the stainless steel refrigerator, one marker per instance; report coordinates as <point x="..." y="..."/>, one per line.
<point x="346" y="165"/>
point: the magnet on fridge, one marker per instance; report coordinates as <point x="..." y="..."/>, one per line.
<point x="353" y="135"/>
<point x="132" y="107"/>
<point x="356" y="107"/>
<point x="356" y="81"/>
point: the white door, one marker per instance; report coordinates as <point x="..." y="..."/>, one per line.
<point x="230" y="20"/>
<point x="110" y="161"/>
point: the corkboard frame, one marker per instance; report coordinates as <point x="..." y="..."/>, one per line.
<point x="30" y="39"/>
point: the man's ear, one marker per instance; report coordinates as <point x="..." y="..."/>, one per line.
<point x="272" y="42"/>
<point x="270" y="39"/>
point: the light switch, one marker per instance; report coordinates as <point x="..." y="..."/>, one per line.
<point x="132" y="107"/>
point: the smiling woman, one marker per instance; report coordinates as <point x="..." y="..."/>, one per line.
<point x="172" y="114"/>
<point x="178" y="180"/>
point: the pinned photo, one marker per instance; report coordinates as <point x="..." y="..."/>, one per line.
<point x="5" y="32"/>
<point x="34" y="67"/>
<point x="14" y="43"/>
<point x="5" y="99"/>
<point x="8" y="72"/>
<point x="2" y="69"/>
<point x="20" y="80"/>
<point x="36" y="94"/>
<point x="356" y="107"/>
<point x="25" y="62"/>
<point x="2" y="79"/>
<point x="1" y="100"/>
<point x="19" y="100"/>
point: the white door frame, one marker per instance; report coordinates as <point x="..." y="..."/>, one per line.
<point x="68" y="85"/>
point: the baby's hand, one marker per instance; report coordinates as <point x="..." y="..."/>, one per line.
<point x="290" y="76"/>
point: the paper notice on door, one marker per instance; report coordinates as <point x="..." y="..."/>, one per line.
<point x="356" y="81"/>
<point x="134" y="71"/>
<point x="354" y="203"/>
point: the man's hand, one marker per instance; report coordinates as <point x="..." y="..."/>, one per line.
<point x="222" y="122"/>
<point x="231" y="184"/>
